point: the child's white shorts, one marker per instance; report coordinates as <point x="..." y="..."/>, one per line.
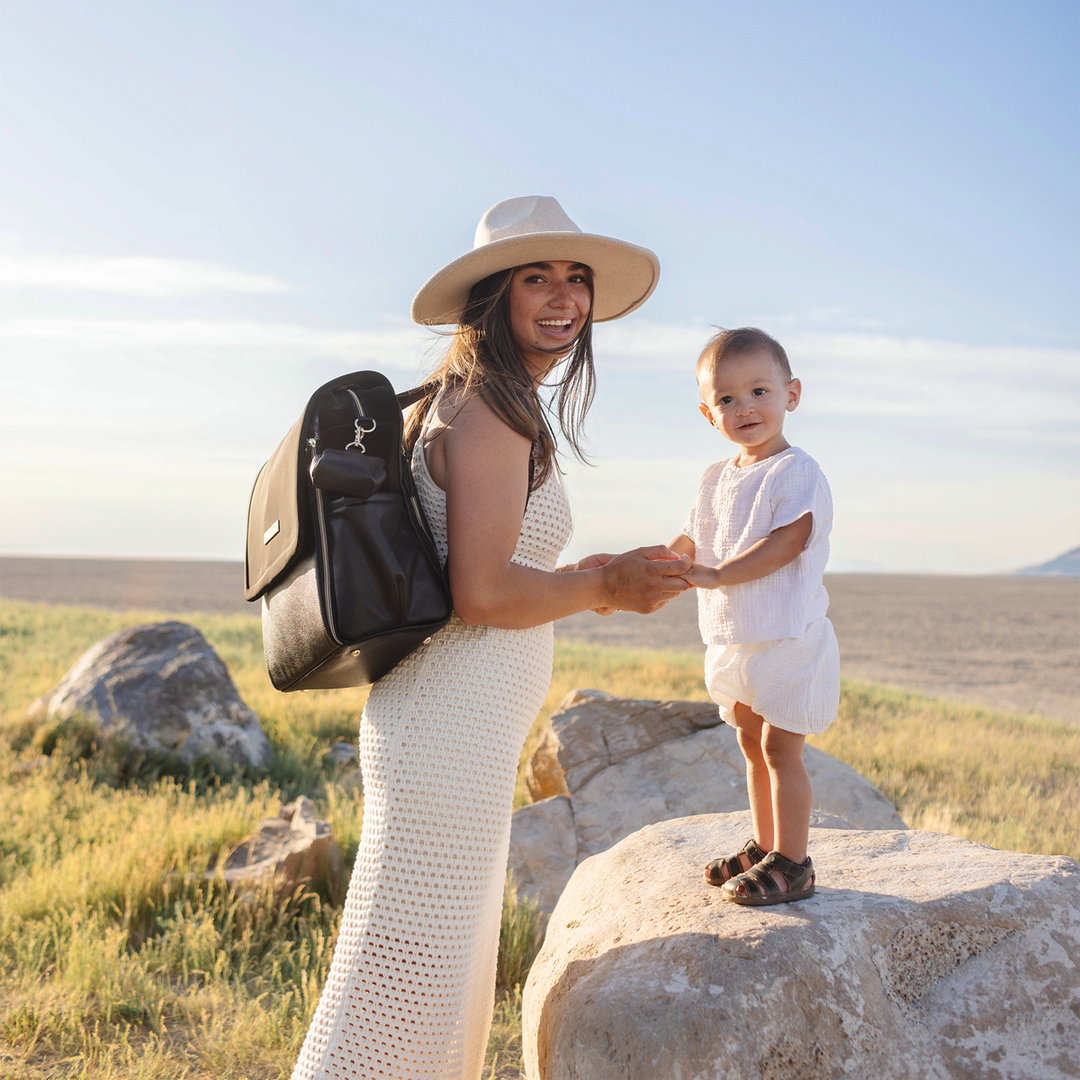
<point x="794" y="683"/>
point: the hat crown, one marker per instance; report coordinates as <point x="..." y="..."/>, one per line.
<point x="522" y="217"/>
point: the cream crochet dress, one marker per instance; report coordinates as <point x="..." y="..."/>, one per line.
<point x="411" y="987"/>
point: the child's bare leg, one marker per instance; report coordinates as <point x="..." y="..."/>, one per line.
<point x="780" y="797"/>
<point x="792" y="795"/>
<point x="750" y="727"/>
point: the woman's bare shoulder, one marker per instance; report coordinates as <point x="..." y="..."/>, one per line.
<point x="470" y="416"/>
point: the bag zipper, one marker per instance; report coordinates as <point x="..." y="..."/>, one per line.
<point x="321" y="515"/>
<point x="331" y="625"/>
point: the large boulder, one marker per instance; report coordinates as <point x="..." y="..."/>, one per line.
<point x="921" y="957"/>
<point x="543" y="850"/>
<point x="292" y="849"/>
<point x="619" y="764"/>
<point x="163" y="688"/>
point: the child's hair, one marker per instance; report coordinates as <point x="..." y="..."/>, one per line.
<point x="729" y="343"/>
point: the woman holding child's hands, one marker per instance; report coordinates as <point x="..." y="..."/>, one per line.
<point x="411" y="988"/>
<point x="673" y="576"/>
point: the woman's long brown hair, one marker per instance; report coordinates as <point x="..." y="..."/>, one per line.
<point x="483" y="359"/>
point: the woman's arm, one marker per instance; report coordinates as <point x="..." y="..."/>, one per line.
<point x="484" y="467"/>
<point x="780" y="547"/>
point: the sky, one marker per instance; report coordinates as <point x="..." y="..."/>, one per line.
<point x="207" y="209"/>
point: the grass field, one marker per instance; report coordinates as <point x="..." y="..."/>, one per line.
<point x="118" y="960"/>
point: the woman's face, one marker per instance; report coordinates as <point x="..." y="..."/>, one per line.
<point x="549" y="302"/>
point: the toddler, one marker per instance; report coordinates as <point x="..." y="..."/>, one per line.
<point x="758" y="535"/>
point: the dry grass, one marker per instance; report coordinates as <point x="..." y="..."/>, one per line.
<point x="117" y="959"/>
<point x="1009" y="781"/>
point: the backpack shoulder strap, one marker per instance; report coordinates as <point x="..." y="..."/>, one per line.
<point x="411" y="397"/>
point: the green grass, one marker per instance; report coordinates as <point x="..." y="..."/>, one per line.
<point x="118" y="959"/>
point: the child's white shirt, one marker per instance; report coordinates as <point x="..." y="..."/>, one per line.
<point x="736" y="507"/>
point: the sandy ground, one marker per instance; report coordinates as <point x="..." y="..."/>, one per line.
<point x="1007" y="642"/>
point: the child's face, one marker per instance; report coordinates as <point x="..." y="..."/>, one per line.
<point x="746" y="398"/>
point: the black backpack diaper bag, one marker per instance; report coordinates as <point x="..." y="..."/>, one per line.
<point x="338" y="548"/>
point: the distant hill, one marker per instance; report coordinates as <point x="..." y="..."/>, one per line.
<point x="1067" y="565"/>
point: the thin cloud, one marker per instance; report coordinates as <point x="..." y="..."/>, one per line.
<point x="395" y="347"/>
<point x="643" y="344"/>
<point x="151" y="277"/>
<point x="658" y="345"/>
<point x="849" y="375"/>
<point x="880" y="375"/>
<point x="1005" y="387"/>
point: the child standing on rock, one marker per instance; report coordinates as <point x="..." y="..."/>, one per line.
<point x="759" y="538"/>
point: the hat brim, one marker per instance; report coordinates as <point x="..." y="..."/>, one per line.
<point x="624" y="275"/>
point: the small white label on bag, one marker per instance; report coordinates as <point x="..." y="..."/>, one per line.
<point x="272" y="531"/>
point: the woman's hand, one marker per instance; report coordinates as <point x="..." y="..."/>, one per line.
<point x="643" y="580"/>
<point x="660" y="590"/>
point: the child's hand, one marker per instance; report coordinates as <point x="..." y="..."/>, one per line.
<point x="702" y="577"/>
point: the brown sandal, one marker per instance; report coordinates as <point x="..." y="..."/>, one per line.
<point x="721" y="870"/>
<point x="757" y="887"/>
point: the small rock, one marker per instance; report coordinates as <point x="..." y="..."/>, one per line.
<point x="295" y="847"/>
<point x="162" y="686"/>
<point x="920" y="956"/>
<point x="341" y="754"/>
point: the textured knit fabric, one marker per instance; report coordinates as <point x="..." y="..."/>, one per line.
<point x="411" y="988"/>
<point x="736" y="507"/>
<point x="794" y="683"/>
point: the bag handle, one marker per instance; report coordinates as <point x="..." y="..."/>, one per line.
<point x="411" y="397"/>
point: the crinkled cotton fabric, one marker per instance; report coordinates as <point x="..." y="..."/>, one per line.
<point x="736" y="507"/>
<point x="794" y="683"/>
<point x="411" y="988"/>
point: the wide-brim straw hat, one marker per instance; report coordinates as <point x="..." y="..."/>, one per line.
<point x="535" y="228"/>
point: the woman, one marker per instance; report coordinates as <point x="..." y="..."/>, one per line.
<point x="410" y="990"/>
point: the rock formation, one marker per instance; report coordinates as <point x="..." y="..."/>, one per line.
<point x="162" y="686"/>
<point x="543" y="850"/>
<point x="608" y="766"/>
<point x="921" y="957"/>
<point x="293" y="848"/>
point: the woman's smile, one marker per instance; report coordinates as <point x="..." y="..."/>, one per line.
<point x="549" y="303"/>
<point x="561" y="330"/>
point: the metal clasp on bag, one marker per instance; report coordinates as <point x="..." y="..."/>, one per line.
<point x="359" y="431"/>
